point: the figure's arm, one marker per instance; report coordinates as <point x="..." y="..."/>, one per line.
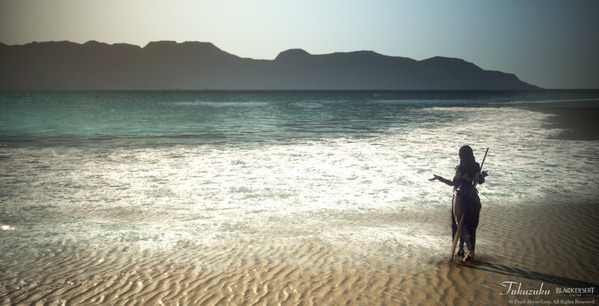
<point x="456" y="177"/>
<point x="481" y="178"/>
<point x="442" y="179"/>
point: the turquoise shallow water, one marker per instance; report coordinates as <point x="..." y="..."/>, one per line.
<point x="237" y="117"/>
<point x="388" y="141"/>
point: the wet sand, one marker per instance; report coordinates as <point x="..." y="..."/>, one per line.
<point x="553" y="247"/>
<point x="578" y="123"/>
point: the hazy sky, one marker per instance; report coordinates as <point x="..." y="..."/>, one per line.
<point x="549" y="43"/>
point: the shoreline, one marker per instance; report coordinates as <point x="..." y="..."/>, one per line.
<point x="577" y="123"/>
<point x="341" y="221"/>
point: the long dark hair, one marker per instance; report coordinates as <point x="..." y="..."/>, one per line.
<point x="466" y="154"/>
<point x="467" y="160"/>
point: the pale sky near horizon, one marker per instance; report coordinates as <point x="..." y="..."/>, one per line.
<point x="548" y="43"/>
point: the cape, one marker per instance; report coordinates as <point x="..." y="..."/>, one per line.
<point x="168" y="65"/>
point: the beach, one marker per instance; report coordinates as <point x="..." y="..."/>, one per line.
<point x="553" y="247"/>
<point x="579" y="123"/>
<point x="291" y="199"/>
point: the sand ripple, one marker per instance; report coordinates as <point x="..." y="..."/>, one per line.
<point x="553" y="244"/>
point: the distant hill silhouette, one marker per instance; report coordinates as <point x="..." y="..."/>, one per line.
<point x="168" y="65"/>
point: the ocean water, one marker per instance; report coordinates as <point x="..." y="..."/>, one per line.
<point x="150" y="173"/>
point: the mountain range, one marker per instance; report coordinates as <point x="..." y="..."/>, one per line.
<point x="167" y="65"/>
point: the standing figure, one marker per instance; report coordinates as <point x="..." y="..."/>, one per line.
<point x="465" y="200"/>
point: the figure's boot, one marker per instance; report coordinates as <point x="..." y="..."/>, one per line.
<point x="470" y="255"/>
<point x="461" y="249"/>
